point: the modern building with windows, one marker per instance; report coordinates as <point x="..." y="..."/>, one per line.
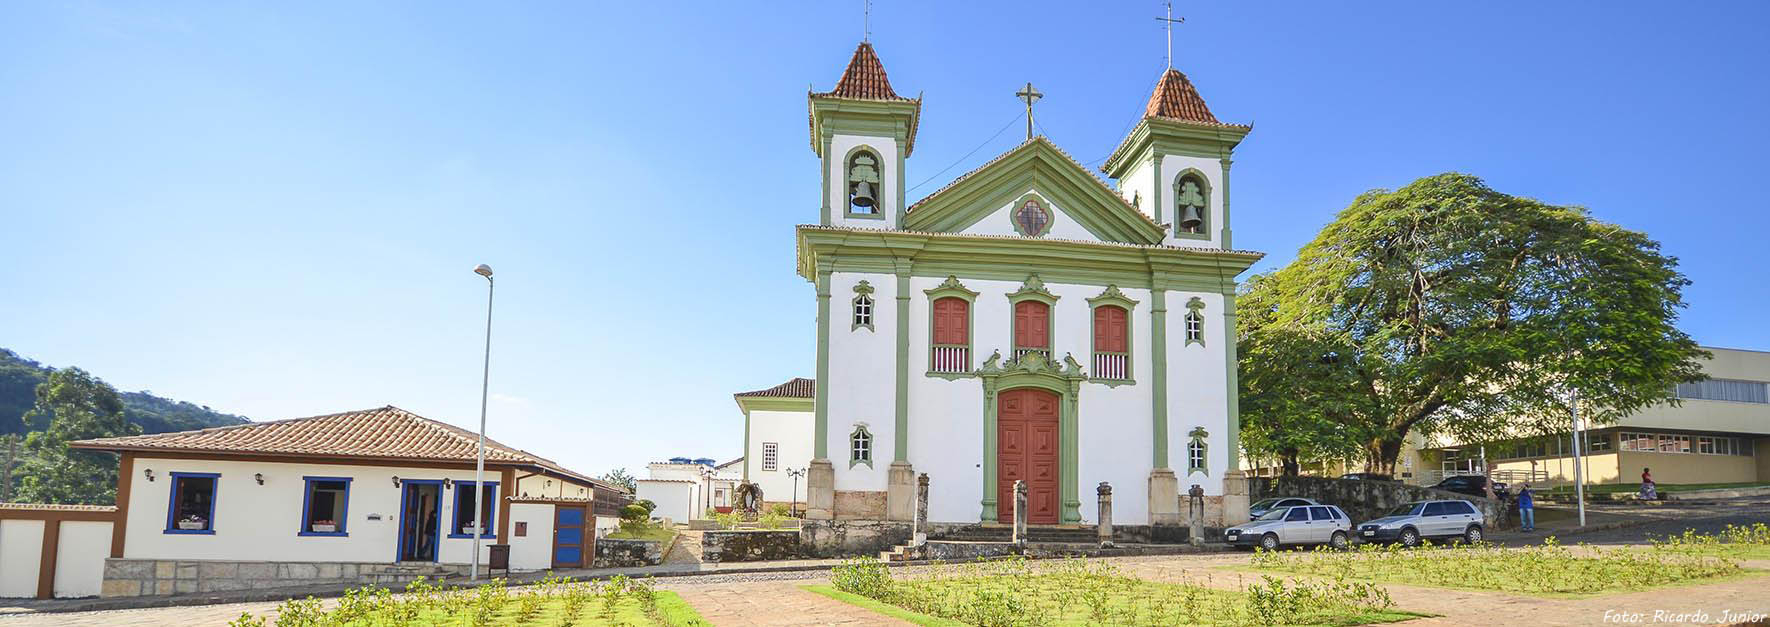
<point x="1718" y="431"/>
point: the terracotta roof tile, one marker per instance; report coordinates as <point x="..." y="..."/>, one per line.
<point x="381" y="433"/>
<point x="1176" y="99"/>
<point x="799" y="387"/>
<point x="865" y="78"/>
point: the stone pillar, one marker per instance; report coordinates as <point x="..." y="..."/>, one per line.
<point x="1196" y="510"/>
<point x="1104" y="528"/>
<point x="919" y="533"/>
<point x="820" y="490"/>
<point x="900" y="492"/>
<point x="1234" y="509"/>
<point x="1020" y="512"/>
<point x="1164" y="497"/>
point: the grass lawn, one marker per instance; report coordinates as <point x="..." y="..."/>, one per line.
<point x="1550" y="570"/>
<point x="1015" y="592"/>
<point x="554" y="603"/>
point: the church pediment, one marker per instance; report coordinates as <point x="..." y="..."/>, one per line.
<point x="994" y="199"/>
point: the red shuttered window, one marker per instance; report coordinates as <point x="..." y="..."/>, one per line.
<point x="1112" y="343"/>
<point x="1032" y="328"/>
<point x="952" y="336"/>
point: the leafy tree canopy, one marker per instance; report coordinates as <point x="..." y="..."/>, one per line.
<point x="75" y="406"/>
<point x="620" y="477"/>
<point x="1446" y="307"/>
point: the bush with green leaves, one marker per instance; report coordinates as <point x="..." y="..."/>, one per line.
<point x="1549" y="568"/>
<point x="552" y="601"/>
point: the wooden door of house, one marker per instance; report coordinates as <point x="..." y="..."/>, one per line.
<point x="1026" y="436"/>
<point x="573" y="536"/>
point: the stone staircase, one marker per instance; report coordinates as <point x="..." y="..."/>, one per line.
<point x="1034" y="535"/>
<point x="397" y="575"/>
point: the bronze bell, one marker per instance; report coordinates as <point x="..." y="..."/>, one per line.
<point x="863" y="194"/>
<point x="1189" y="219"/>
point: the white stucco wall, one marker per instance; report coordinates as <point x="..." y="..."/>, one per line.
<point x="793" y="431"/>
<point x="261" y="522"/>
<point x="80" y="554"/>
<point x="675" y="499"/>
<point x="886" y="148"/>
<point x="863" y="382"/>
<point x="21" y="549"/>
<point x="535" y="550"/>
<point x="545" y="486"/>
<point x="1197" y="391"/>
<point x="1001" y="221"/>
<point x="1137" y="186"/>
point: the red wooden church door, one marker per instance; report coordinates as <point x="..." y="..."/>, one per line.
<point x="1026" y="449"/>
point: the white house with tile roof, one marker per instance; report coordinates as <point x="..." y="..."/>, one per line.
<point x="356" y="496"/>
<point x="778" y="427"/>
<point x="1028" y="321"/>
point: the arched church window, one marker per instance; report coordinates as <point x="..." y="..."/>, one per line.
<point x="1031" y="217"/>
<point x="1191" y="204"/>
<point x="863" y="183"/>
<point x="863" y="306"/>
<point x="1195" y="452"/>
<point x="860" y="446"/>
<point x="1195" y="322"/>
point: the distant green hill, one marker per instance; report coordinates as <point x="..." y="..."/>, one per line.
<point x="18" y="388"/>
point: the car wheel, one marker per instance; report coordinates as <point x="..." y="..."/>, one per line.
<point x="1472" y="535"/>
<point x="1410" y="537"/>
<point x="1269" y="542"/>
<point x="1340" y="541"/>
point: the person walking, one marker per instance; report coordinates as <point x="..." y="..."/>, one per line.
<point x="1649" y="491"/>
<point x="1526" y="509"/>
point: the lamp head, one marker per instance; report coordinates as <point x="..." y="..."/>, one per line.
<point x="483" y="270"/>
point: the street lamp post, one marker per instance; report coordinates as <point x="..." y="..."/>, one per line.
<point x="1579" y="475"/>
<point x="795" y="474"/>
<point x="479" y="472"/>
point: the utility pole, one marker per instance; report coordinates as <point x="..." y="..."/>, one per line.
<point x="1579" y="475"/>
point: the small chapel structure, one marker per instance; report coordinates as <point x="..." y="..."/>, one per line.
<point x="1028" y="321"/>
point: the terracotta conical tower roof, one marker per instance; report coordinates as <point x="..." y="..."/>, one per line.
<point x="1176" y="99"/>
<point x="865" y="78"/>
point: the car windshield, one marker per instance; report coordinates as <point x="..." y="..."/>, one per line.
<point x="1277" y="514"/>
<point x="1406" y="509"/>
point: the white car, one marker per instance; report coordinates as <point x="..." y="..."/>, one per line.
<point x="1412" y="522"/>
<point x="1300" y="524"/>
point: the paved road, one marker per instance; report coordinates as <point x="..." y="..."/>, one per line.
<point x="1664" y="520"/>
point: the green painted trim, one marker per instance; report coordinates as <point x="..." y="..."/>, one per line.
<point x="872" y="447"/>
<point x="746" y="448"/>
<point x="952" y="287"/>
<point x="878" y="194"/>
<point x="822" y="431"/>
<point x="862" y="290"/>
<point x="1224" y="237"/>
<point x="875" y="118"/>
<point x="1194" y="311"/>
<point x="1037" y="372"/>
<point x="1033" y="289"/>
<point x="1113" y="297"/>
<point x="900" y="449"/>
<point x="1155" y="191"/>
<point x="823" y="158"/>
<point x="1011" y="259"/>
<point x="902" y="154"/>
<point x="1036" y="164"/>
<point x="1198" y="438"/>
<point x="1168" y="137"/>
<point x="1158" y="370"/>
<point x="1204" y="183"/>
<point x="1232" y="368"/>
<point x="1042" y="204"/>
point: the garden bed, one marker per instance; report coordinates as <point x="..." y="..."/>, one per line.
<point x="1072" y="592"/>
<point x="1550" y="569"/>
<point x="1734" y="542"/>
<point x="619" y="601"/>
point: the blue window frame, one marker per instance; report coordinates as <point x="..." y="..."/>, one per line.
<point x="190" y="509"/>
<point x="325" y="501"/>
<point x="465" y="497"/>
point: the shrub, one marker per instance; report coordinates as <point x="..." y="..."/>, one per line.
<point x="781" y="509"/>
<point x="726" y="521"/>
<point x="647" y="504"/>
<point x="772" y="520"/>
<point x="863" y="576"/>
<point x="635" y="513"/>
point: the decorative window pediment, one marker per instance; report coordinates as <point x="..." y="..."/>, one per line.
<point x="860" y="446"/>
<point x="1196" y="450"/>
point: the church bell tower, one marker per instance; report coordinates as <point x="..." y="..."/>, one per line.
<point x="863" y="131"/>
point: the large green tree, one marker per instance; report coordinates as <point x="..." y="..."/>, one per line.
<point x="73" y="405"/>
<point x="1446" y="307"/>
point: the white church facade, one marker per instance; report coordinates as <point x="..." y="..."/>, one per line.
<point x="1026" y="322"/>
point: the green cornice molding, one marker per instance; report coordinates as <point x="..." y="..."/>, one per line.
<point x="879" y="118"/>
<point x="1038" y="201"/>
<point x="1034" y="165"/>
<point x="775" y="403"/>
<point x="1011" y="259"/>
<point x="1169" y="137"/>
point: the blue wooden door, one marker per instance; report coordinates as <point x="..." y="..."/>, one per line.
<point x="571" y="537"/>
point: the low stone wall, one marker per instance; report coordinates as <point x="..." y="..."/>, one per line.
<point x="1368" y="500"/>
<point x="844" y="538"/>
<point x="146" y="577"/>
<point x="966" y="551"/>
<point x="745" y="545"/>
<point x="612" y="553"/>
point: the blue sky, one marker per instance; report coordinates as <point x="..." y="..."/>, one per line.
<point x="273" y="208"/>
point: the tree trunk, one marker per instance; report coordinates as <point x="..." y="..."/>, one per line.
<point x="1381" y="454"/>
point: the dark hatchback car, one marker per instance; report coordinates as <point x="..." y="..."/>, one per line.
<point x="1366" y="476"/>
<point x="1472" y="485"/>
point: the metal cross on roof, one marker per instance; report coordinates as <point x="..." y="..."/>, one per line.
<point x="1168" y="23"/>
<point x="1031" y="96"/>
